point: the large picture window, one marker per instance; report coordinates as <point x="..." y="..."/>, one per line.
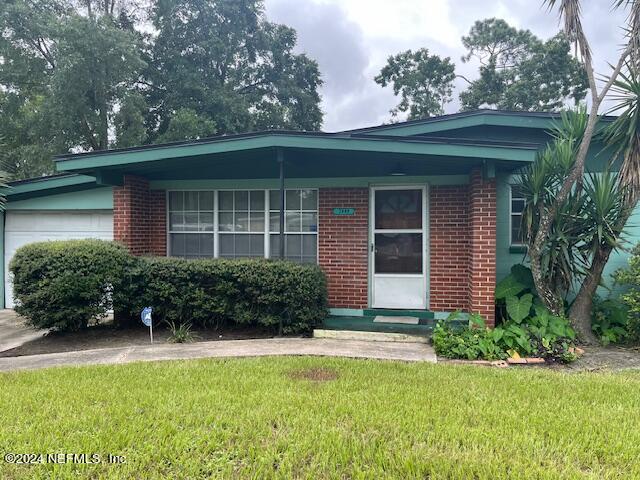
<point x="243" y="223"/>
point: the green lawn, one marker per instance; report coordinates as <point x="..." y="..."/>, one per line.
<point x="261" y="418"/>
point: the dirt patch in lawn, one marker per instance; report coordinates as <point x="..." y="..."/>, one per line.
<point x="108" y="336"/>
<point x="606" y="358"/>
<point x="317" y="374"/>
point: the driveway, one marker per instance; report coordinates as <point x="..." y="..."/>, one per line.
<point x="410" y="352"/>
<point x="13" y="331"/>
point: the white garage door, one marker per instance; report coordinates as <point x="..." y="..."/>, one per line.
<point x="22" y="228"/>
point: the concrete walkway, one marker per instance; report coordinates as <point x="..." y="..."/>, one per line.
<point x="13" y="331"/>
<point x="409" y="352"/>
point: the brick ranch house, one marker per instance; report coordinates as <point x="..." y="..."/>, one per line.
<point x="420" y="215"/>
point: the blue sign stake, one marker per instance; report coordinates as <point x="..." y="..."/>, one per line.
<point x="145" y="316"/>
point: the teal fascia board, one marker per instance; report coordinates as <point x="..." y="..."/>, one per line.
<point x="272" y="141"/>
<point x="473" y="120"/>
<point x="48" y="186"/>
<point x="88" y="199"/>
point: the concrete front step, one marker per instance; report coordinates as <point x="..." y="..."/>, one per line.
<point x="370" y="336"/>
<point x="387" y="312"/>
<point x="368" y="324"/>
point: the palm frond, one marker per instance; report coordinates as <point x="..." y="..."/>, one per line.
<point x="570" y="12"/>
<point x="623" y="134"/>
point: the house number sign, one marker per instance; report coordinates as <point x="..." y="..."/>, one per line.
<point x="344" y="211"/>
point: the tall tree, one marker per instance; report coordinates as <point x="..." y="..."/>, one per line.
<point x="518" y="71"/>
<point x="79" y="75"/>
<point x="423" y="81"/>
<point x="221" y="61"/>
<point x="624" y="133"/>
<point x="67" y="66"/>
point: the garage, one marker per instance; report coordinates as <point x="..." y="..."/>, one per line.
<point x="23" y="227"/>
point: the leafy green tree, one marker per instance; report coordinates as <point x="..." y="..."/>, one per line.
<point x="518" y="71"/>
<point x="67" y="68"/>
<point x="423" y="81"/>
<point x="185" y="124"/>
<point x="221" y="61"/>
<point x="83" y="75"/>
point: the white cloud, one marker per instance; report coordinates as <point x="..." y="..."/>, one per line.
<point x="351" y="40"/>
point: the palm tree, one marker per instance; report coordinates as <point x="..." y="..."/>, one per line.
<point x="4" y="176"/>
<point x="570" y="15"/>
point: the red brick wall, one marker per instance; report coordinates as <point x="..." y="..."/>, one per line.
<point x="482" y="228"/>
<point x="139" y="217"/>
<point x="449" y="248"/>
<point x="343" y="245"/>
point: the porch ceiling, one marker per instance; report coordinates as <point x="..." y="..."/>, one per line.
<point x="306" y="155"/>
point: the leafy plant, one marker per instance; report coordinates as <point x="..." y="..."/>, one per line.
<point x="471" y="342"/>
<point x="180" y="333"/>
<point x="610" y="320"/>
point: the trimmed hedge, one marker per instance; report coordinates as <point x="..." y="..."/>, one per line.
<point x="207" y="292"/>
<point x="62" y="285"/>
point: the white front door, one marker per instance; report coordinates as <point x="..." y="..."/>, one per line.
<point x="399" y="247"/>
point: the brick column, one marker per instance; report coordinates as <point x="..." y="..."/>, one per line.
<point x="343" y="245"/>
<point x="448" y="248"/>
<point x="482" y="262"/>
<point x="139" y="217"/>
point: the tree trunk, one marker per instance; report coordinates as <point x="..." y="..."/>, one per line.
<point x="580" y="311"/>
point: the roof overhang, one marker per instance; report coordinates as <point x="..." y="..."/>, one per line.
<point x="476" y="118"/>
<point x="52" y="185"/>
<point x="314" y="150"/>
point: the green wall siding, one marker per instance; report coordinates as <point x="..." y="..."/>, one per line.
<point x="506" y="258"/>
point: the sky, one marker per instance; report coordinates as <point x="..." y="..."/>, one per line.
<point x="352" y="39"/>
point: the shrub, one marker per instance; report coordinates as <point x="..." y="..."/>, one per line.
<point x="630" y="278"/>
<point x="609" y="320"/>
<point x="62" y="285"/>
<point x="206" y="292"/>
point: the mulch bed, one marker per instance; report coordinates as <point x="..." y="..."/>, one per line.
<point x="107" y="336"/>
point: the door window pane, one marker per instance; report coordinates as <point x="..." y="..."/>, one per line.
<point x="398" y="209"/>
<point x="398" y="253"/>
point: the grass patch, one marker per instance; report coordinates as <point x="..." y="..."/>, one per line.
<point x="255" y="418"/>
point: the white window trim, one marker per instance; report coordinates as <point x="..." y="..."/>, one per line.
<point x="511" y="214"/>
<point x="216" y="211"/>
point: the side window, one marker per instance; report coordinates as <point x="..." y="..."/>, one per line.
<point x="517" y="209"/>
